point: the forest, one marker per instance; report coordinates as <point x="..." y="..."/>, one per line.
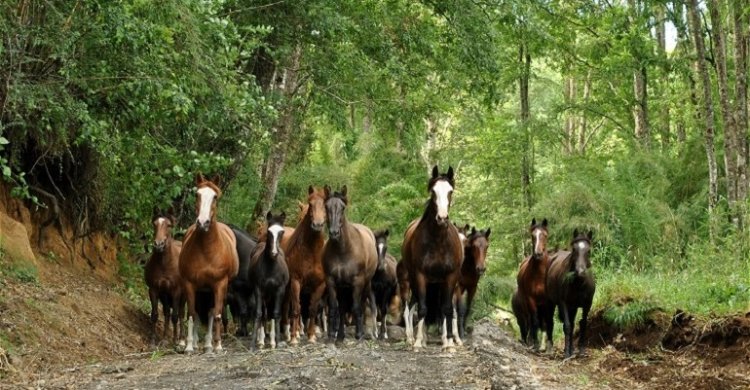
<point x="628" y="118"/>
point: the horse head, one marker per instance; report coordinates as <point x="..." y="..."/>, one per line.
<point x="478" y="242"/>
<point x="335" y="205"/>
<point x="275" y="231"/>
<point x="581" y="252"/>
<point x="207" y="194"/>
<point x="441" y="193"/>
<point x="316" y="208"/>
<point x="162" y="229"/>
<point x="463" y="232"/>
<point x="381" y="243"/>
<point x="539" y="234"/>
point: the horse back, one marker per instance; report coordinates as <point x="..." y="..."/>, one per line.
<point x="367" y="246"/>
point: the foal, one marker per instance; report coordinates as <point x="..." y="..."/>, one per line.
<point x="162" y="276"/>
<point x="570" y="285"/>
<point x="270" y="277"/>
<point x="472" y="268"/>
<point x="384" y="282"/>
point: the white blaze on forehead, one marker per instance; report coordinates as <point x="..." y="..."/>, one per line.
<point x="275" y="230"/>
<point x="538" y="235"/>
<point x="582" y="245"/>
<point x="462" y="237"/>
<point x="160" y="221"/>
<point x="380" y="248"/>
<point x="442" y="188"/>
<point x="207" y="198"/>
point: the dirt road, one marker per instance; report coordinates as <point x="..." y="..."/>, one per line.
<point x="491" y="359"/>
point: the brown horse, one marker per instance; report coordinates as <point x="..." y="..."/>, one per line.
<point x="570" y="285"/>
<point x="531" y="278"/>
<point x="208" y="260"/>
<point x="349" y="262"/>
<point x="304" y="256"/>
<point x="472" y="268"/>
<point x="162" y="276"/>
<point x="432" y="254"/>
<point x="385" y="281"/>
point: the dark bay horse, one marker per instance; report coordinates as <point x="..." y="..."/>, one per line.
<point x="349" y="262"/>
<point x="472" y="268"/>
<point x="384" y="282"/>
<point x="241" y="288"/>
<point x="304" y="256"/>
<point x="571" y="285"/>
<point x="208" y="260"/>
<point x="270" y="277"/>
<point x="432" y="254"/>
<point x="162" y="274"/>
<point x="531" y="278"/>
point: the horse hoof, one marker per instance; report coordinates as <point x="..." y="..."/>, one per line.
<point x="294" y="341"/>
<point x="449" y="349"/>
<point x="312" y="339"/>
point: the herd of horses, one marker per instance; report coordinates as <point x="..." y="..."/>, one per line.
<point x="328" y="271"/>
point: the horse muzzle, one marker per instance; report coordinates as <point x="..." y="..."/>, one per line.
<point x="317" y="226"/>
<point x="203" y="226"/>
<point x="481" y="270"/>
<point x="441" y="221"/>
<point x="334" y="235"/>
<point x="159" y="246"/>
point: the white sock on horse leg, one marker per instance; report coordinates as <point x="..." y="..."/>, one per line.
<point x="189" y="347"/>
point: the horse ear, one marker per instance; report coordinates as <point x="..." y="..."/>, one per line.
<point x="487" y="234"/>
<point x="327" y="191"/>
<point x="466" y="227"/>
<point x="343" y="192"/>
<point x="268" y="215"/>
<point x="450" y="174"/>
<point x="216" y="179"/>
<point x="544" y="222"/>
<point x="310" y="190"/>
<point x="435" y="172"/>
<point x="282" y="217"/>
<point x="473" y="230"/>
<point x="386" y="232"/>
<point x="533" y="221"/>
<point x="155" y="212"/>
<point x="590" y="235"/>
<point x="199" y="178"/>
<point x="575" y="233"/>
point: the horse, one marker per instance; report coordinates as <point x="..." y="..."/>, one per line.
<point x="162" y="275"/>
<point x="304" y="256"/>
<point x="349" y="263"/>
<point x="384" y="282"/>
<point x="531" y="278"/>
<point x="270" y="277"/>
<point x="472" y="268"/>
<point x="522" y="315"/>
<point x="432" y="253"/>
<point x="463" y="232"/>
<point x="209" y="259"/>
<point x="240" y="290"/>
<point x="570" y="286"/>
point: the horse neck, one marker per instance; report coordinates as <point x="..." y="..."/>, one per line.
<point x="212" y="235"/>
<point x="540" y="263"/>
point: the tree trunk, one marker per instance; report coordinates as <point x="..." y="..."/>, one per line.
<point x="661" y="41"/>
<point x="280" y="139"/>
<point x="740" y="106"/>
<point x="567" y="99"/>
<point x="524" y="59"/>
<point x="730" y="152"/>
<point x="708" y="110"/>
<point x="640" y="110"/>
<point x="582" y="136"/>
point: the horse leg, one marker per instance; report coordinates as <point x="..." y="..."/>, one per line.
<point x="192" y="315"/>
<point x="470" y="294"/>
<point x="257" y="324"/>
<point x="583" y="325"/>
<point x="294" y="291"/>
<point x="220" y="293"/>
<point x="420" y="287"/>
<point x="459" y="316"/>
<point x="358" y="295"/>
<point x="175" y="317"/>
<point x="408" y="325"/>
<point x="167" y="311"/>
<point x="154" y="297"/>
<point x="333" y="308"/>
<point x="446" y="298"/>
<point x="534" y="325"/>
<point x="373" y="314"/>
<point x="315" y="298"/>
<point x="548" y="313"/>
<point x="276" y="315"/>
<point x="383" y="314"/>
<point x="567" y="327"/>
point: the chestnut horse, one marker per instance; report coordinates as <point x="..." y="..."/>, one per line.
<point x="531" y="278"/>
<point x="270" y="277"/>
<point x="349" y="262"/>
<point x="304" y="256"/>
<point x="432" y="254"/>
<point x="208" y="260"/>
<point x="472" y="268"/>
<point x="570" y="285"/>
<point x="162" y="276"/>
<point x="384" y="282"/>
